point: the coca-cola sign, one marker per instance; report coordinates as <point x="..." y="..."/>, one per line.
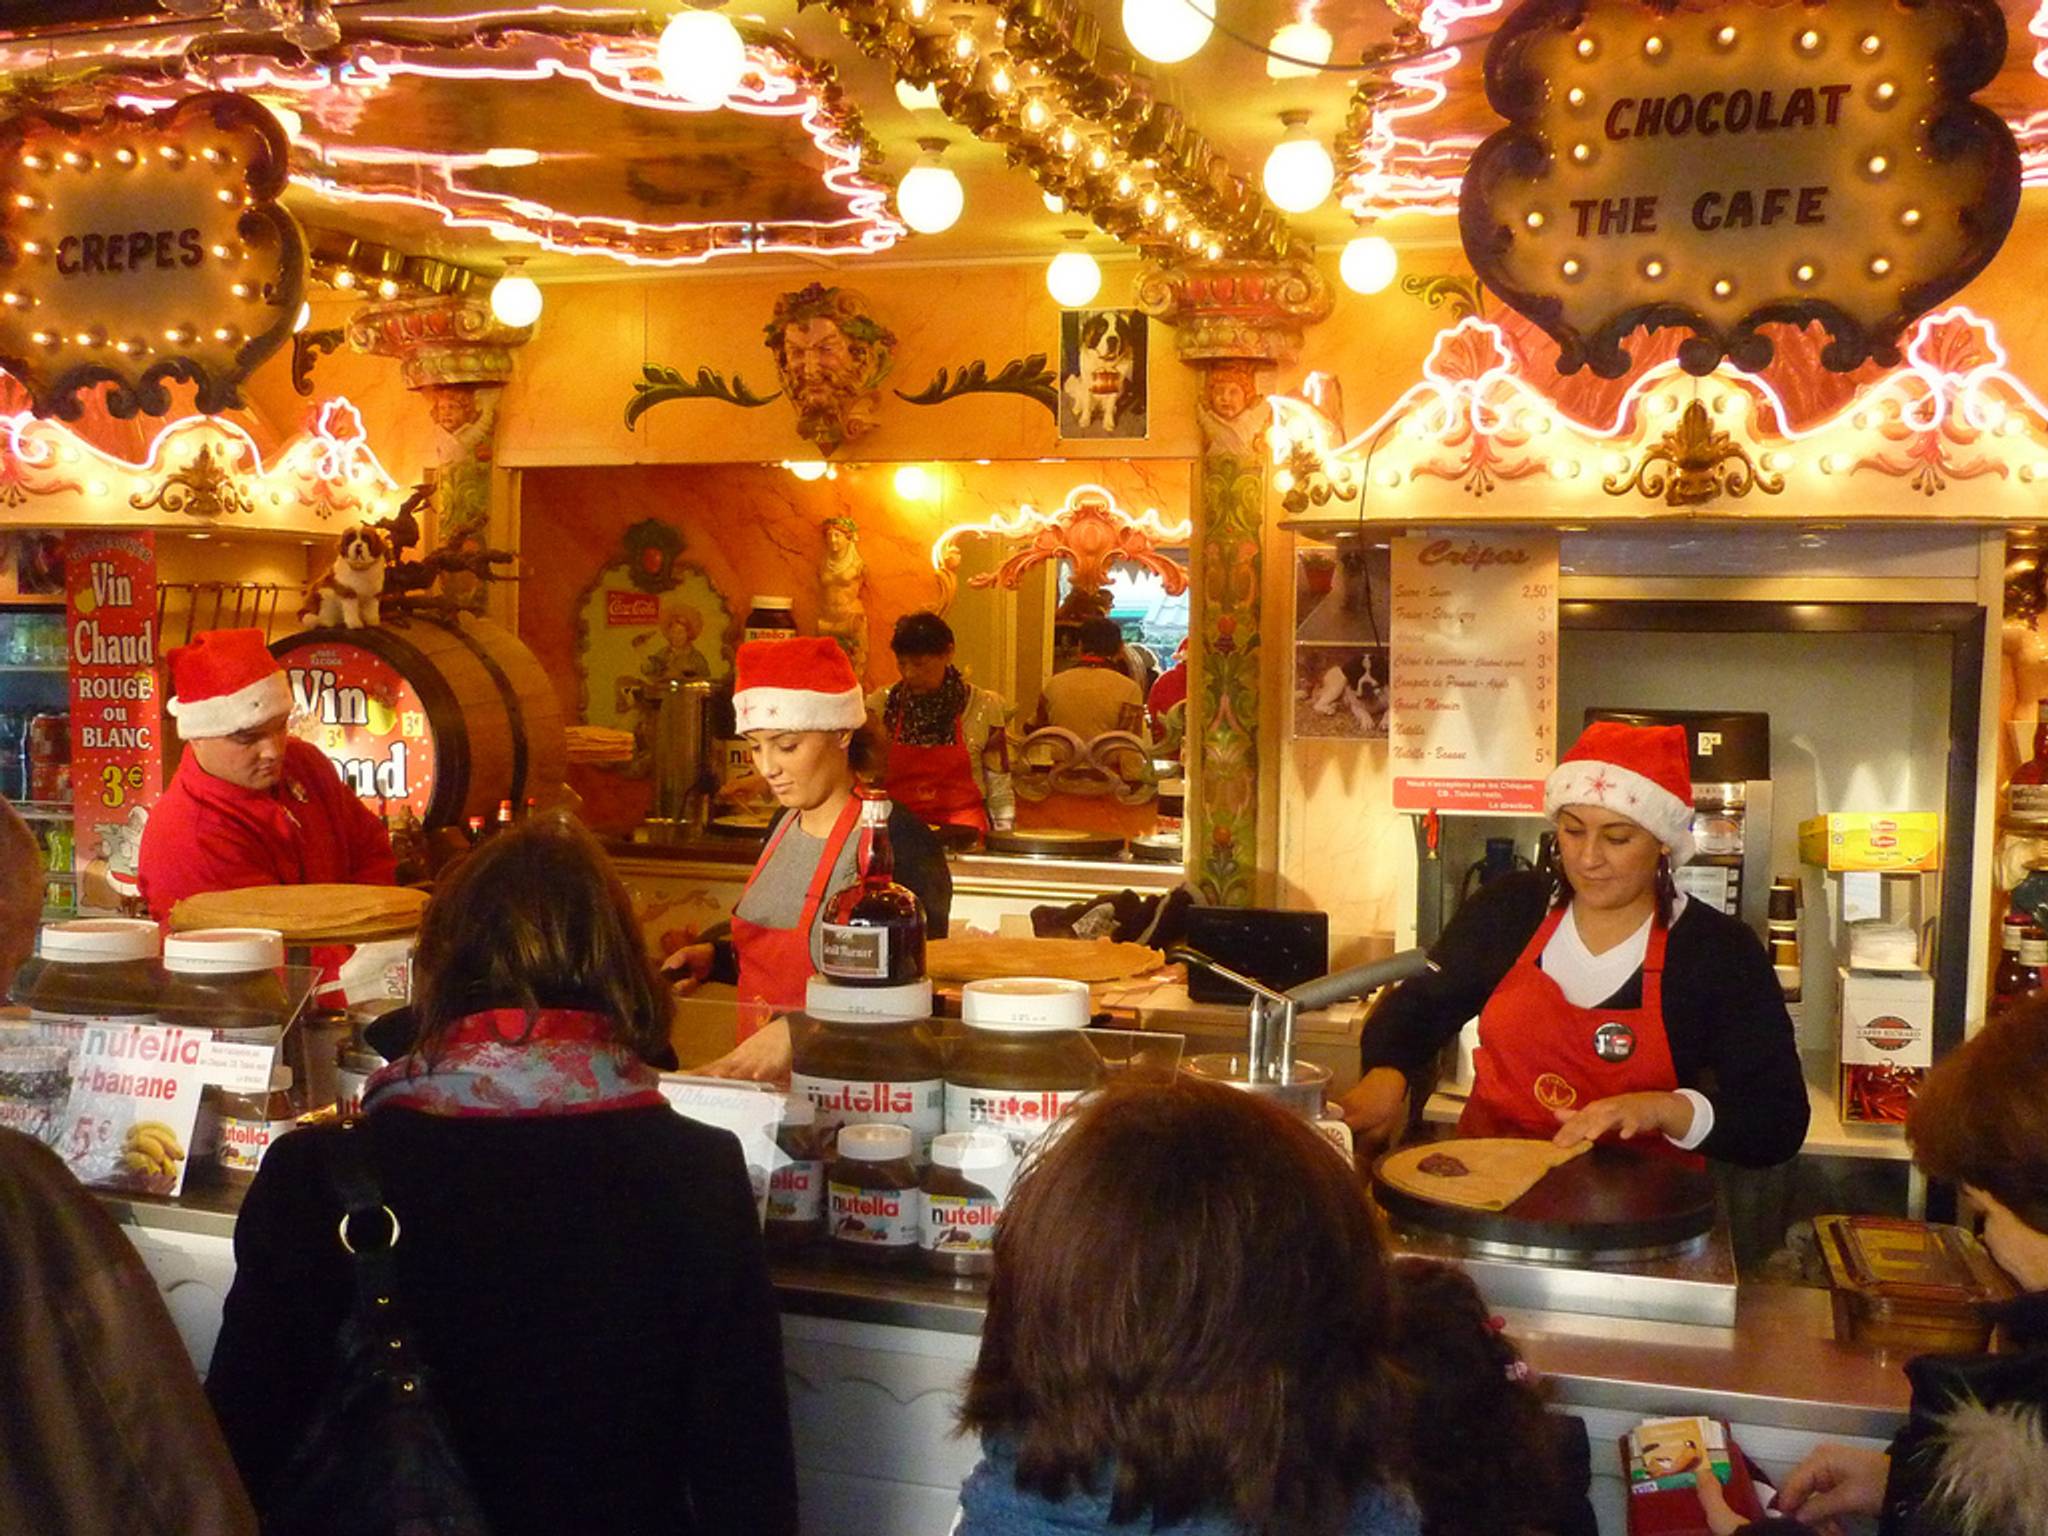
<point x="141" y="247"/>
<point x="1723" y="169"/>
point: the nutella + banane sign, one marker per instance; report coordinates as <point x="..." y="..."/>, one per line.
<point x="1720" y="169"/>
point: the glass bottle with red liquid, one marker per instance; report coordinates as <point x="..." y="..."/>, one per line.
<point x="872" y="934"/>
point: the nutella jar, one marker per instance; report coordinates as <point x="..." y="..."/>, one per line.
<point x="770" y="618"/>
<point x="250" y="1123"/>
<point x="868" y="1054"/>
<point x="226" y="980"/>
<point x="796" y="1189"/>
<point x="96" y="970"/>
<point x="1023" y="1060"/>
<point x="871" y="1195"/>
<point x="964" y="1191"/>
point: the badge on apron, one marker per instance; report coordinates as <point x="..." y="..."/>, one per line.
<point x="1614" y="1041"/>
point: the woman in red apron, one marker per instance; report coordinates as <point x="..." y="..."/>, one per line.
<point x="1609" y="1006"/>
<point x="948" y="746"/>
<point x="798" y="704"/>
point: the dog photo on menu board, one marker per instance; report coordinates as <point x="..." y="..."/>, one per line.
<point x="1103" y="391"/>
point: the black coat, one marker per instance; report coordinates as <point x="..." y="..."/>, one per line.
<point x="589" y="1290"/>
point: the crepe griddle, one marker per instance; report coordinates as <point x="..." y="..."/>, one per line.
<point x="1054" y="843"/>
<point x="1613" y="1201"/>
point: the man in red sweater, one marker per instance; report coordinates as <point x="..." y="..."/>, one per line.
<point x="250" y="804"/>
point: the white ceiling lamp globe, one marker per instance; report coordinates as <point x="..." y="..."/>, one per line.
<point x="917" y="98"/>
<point x="1368" y="264"/>
<point x="1301" y="46"/>
<point x="1168" y="31"/>
<point x="929" y="196"/>
<point x="1073" y="277"/>
<point x="515" y="297"/>
<point x="701" y="57"/>
<point x="1299" y="171"/>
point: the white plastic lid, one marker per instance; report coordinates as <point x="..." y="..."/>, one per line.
<point x="839" y="1003"/>
<point x="970" y="1151"/>
<point x="875" y="1143"/>
<point x="224" y="951"/>
<point x="1025" y="1004"/>
<point x="797" y="1109"/>
<point x="758" y="601"/>
<point x="100" y="941"/>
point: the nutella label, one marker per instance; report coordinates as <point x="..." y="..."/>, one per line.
<point x="873" y="1218"/>
<point x="919" y="1104"/>
<point x="1022" y="1114"/>
<point x="853" y="954"/>
<point x="243" y="1142"/>
<point x="958" y="1223"/>
<point x="796" y="1192"/>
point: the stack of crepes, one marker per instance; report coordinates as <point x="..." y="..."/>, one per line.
<point x="307" y="914"/>
<point x="598" y="744"/>
<point x="986" y="959"/>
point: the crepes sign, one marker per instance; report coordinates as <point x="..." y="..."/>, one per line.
<point x="138" y="247"/>
<point x="1722" y="169"/>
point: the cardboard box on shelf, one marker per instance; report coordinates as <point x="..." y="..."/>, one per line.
<point x="1887" y="1042"/>
<point x="1881" y="840"/>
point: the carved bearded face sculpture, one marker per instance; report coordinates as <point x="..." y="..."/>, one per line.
<point x="832" y="355"/>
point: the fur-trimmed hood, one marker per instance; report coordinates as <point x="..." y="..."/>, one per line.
<point x="1991" y="1471"/>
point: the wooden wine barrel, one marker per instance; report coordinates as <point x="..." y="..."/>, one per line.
<point x="449" y="717"/>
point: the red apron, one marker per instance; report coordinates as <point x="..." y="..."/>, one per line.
<point x="937" y="783"/>
<point x="775" y="963"/>
<point x="1538" y="1052"/>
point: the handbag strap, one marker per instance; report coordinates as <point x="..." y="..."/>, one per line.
<point x="369" y="1232"/>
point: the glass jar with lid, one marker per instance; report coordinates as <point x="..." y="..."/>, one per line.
<point x="1023" y="1059"/>
<point x="869" y="1054"/>
<point x="769" y="618"/>
<point x="94" y="970"/>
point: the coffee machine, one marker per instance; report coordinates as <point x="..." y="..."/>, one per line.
<point x="683" y="766"/>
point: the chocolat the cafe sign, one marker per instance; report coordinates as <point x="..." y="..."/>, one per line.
<point x="140" y="247"/>
<point x="1720" y="169"/>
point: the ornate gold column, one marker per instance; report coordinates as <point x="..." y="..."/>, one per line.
<point x="1236" y="323"/>
<point x="455" y="353"/>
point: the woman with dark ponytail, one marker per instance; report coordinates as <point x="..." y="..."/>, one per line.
<point x="1609" y="1004"/>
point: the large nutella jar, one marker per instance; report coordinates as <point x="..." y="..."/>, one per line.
<point x="1023" y="1060"/>
<point x="868" y="1054"/>
<point x="871" y="1195"/>
<point x="96" y="970"/>
<point x="964" y="1192"/>
<point x="226" y="980"/>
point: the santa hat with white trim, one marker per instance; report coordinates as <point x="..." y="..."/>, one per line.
<point x="1643" y="772"/>
<point x="226" y="681"/>
<point x="804" y="683"/>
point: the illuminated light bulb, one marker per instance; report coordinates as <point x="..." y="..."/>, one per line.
<point x="1098" y="158"/>
<point x="32" y="247"/>
<point x="963" y="38"/>
<point x="1653" y="45"/>
<point x="1871" y="43"/>
<point x="1653" y="269"/>
<point x="925" y="98"/>
<point x="209" y="154"/>
<point x="43" y="338"/>
<point x="701" y="57"/>
<point x="918" y="10"/>
<point x="1533" y="219"/>
<point x="170" y="154"/>
<point x="290" y="121"/>
<point x="220" y="253"/>
<point x="88" y="338"/>
<point x="24" y="200"/>
<point x="1303" y="47"/>
<point x="1586" y="48"/>
<point x="1582" y="152"/>
<point x="999" y="80"/>
<point x="1036" y="115"/>
<point x="388" y="289"/>
<point x="1809" y="40"/>
<point x="1910" y="218"/>
<point x="226" y="333"/>
<point x="1215" y="250"/>
<point x="1829" y="463"/>
<point x="12" y="299"/>
<point x="1069" y="140"/>
<point x="239" y="290"/>
<point x="345" y="278"/>
<point x="1569" y="266"/>
<point x="930" y="197"/>
<point x="76" y="161"/>
<point x="175" y="335"/>
<point x="2008" y="426"/>
<point x="96" y="487"/>
<point x="1617" y="463"/>
<point x="1879" y="265"/>
<point x="67" y="454"/>
<point x="1576" y="96"/>
<point x="35" y="162"/>
<point x="1194" y="239"/>
<point x="914" y="482"/>
<point x="1054" y="203"/>
<point x="515" y="297"/>
<point x="1565" y="469"/>
<point x="1299" y="172"/>
<point x="510" y="158"/>
<point x="1886" y="90"/>
<point x="1368" y="264"/>
<point x="1390" y="478"/>
<point x="1073" y="277"/>
<point x="1723" y="287"/>
<point x="1167" y="31"/>
<point x="1805" y="272"/>
<point x="806" y="469"/>
<point x="1171" y="222"/>
<point x="1773" y="461"/>
<point x="1148" y="205"/>
<point x="1125" y="187"/>
<point x="1725" y="37"/>
<point x="124" y="156"/>
<point x="1877" y="165"/>
<point x="225" y="194"/>
<point x="2027" y="473"/>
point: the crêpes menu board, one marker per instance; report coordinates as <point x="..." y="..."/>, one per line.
<point x="1473" y="722"/>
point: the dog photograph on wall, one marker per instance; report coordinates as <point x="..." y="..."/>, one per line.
<point x="1104" y="387"/>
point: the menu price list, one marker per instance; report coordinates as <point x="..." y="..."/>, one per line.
<point x="1474" y="673"/>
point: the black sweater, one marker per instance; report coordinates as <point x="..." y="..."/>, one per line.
<point x="590" y="1291"/>
<point x="1724" y="1013"/>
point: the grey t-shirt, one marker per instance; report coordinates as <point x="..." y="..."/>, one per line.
<point x="776" y="898"/>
